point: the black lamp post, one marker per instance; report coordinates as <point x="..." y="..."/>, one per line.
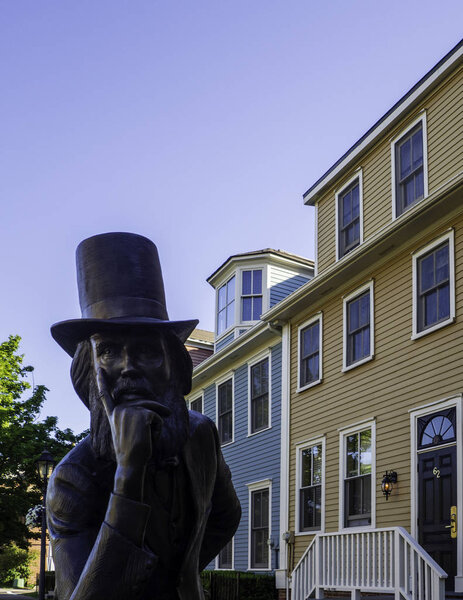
<point x="45" y="465"/>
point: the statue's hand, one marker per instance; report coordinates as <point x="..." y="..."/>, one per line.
<point x="135" y="424"/>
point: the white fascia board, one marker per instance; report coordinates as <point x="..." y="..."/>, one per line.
<point x="385" y="124"/>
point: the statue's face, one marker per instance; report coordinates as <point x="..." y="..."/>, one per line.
<point x="136" y="365"/>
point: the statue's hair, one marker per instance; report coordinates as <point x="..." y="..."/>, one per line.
<point x="181" y="367"/>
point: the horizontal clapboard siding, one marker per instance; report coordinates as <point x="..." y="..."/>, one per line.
<point x="404" y="374"/>
<point x="224" y="341"/>
<point x="283" y="282"/>
<point x="252" y="458"/>
<point x="444" y="118"/>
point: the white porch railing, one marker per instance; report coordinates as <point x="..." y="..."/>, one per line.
<point x="378" y="560"/>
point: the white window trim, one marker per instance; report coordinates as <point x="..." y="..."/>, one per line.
<point x="421" y="118"/>
<point x="254" y="487"/>
<point x="232" y="568"/>
<point x="299" y="448"/>
<point x="357" y="175"/>
<point x="317" y="317"/>
<point x="265" y="290"/>
<point x="315" y="270"/>
<point x="230" y="328"/>
<point x="446" y="237"/>
<point x="257" y="359"/>
<point x="454" y="401"/>
<point x="367" y="286"/>
<point x="343" y="433"/>
<point x="223" y="379"/>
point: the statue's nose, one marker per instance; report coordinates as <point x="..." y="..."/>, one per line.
<point x="128" y="366"/>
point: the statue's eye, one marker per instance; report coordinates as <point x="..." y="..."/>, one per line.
<point x="107" y="351"/>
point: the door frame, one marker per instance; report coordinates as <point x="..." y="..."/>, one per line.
<point x="415" y="413"/>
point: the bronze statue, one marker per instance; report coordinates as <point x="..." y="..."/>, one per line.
<point x="145" y="502"/>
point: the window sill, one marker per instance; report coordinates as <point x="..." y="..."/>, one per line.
<point x="358" y="363"/>
<point x="227" y="444"/>
<point x="435" y="327"/>
<point x="309" y="385"/>
<point x="252" y="569"/>
<point x="311" y="532"/>
<point x="357" y="529"/>
<point x="257" y="432"/>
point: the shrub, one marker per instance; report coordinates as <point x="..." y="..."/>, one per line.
<point x="14" y="564"/>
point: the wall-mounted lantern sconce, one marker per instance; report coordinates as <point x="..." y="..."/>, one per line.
<point x="390" y="477"/>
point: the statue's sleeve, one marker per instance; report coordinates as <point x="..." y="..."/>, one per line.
<point x="95" y="558"/>
<point x="225" y="513"/>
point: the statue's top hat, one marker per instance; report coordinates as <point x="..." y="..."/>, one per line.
<point x="120" y="286"/>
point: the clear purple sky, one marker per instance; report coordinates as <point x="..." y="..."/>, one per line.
<point x="196" y="123"/>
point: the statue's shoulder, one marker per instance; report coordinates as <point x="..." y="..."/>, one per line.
<point x="198" y="420"/>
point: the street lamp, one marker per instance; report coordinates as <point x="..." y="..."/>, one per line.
<point x="45" y="465"/>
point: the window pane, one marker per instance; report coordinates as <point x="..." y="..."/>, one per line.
<point x="357" y="340"/>
<point x="353" y="312"/>
<point x="442" y="263"/>
<point x="366" y="342"/>
<point x="197" y="405"/>
<point x="247" y="282"/>
<point x="355" y="202"/>
<point x="405" y="159"/>
<point x="257" y="282"/>
<point x="417" y="144"/>
<point x="257" y="308"/>
<point x="313" y="368"/>
<point x="246" y="304"/>
<point x="364" y="309"/>
<point x="346" y="209"/>
<point x="222" y="296"/>
<point x="419" y="185"/>
<point x="231" y="313"/>
<point x="409" y="192"/>
<point x="365" y="452"/>
<point x="307" y="341"/>
<point x="306" y="467"/>
<point x="352" y="455"/>
<point x="430" y="308"/>
<point x="444" y="303"/>
<point x="226" y="556"/>
<point x="317" y="464"/>
<point x="427" y="272"/>
<point x="221" y="321"/>
<point x="231" y="289"/>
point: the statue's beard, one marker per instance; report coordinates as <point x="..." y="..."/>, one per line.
<point x="173" y="435"/>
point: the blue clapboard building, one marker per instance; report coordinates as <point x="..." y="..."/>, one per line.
<point x="240" y="386"/>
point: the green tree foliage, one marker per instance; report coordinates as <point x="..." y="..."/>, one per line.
<point x="15" y="563"/>
<point x="23" y="437"/>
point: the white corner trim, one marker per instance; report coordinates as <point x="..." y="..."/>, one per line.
<point x="359" y="291"/>
<point x="420" y="118"/>
<point x="357" y="175"/>
<point x="449" y="237"/>
<point x="284" y="439"/>
<point x="316" y="317"/>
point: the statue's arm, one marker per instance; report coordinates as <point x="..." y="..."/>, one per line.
<point x="225" y="512"/>
<point x="96" y="560"/>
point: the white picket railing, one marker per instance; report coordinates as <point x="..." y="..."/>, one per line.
<point x="377" y="560"/>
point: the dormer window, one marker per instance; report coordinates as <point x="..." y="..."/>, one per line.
<point x="226" y="306"/>
<point x="251" y="295"/>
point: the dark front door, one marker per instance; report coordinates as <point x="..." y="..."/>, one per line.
<point x="437" y="492"/>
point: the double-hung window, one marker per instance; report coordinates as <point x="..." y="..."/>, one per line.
<point x="434" y="285"/>
<point x="226" y="306"/>
<point x="358" y="460"/>
<point x="310" y="487"/>
<point x="251" y="295"/>
<point x="197" y="404"/>
<point x="259" y="395"/>
<point x="348" y="211"/>
<point x="410" y="170"/>
<point x="225" y="558"/>
<point x="259" y="528"/>
<point x="358" y="326"/>
<point x="310" y="364"/>
<point x="225" y="411"/>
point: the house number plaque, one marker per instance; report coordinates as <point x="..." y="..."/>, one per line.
<point x="436" y="472"/>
